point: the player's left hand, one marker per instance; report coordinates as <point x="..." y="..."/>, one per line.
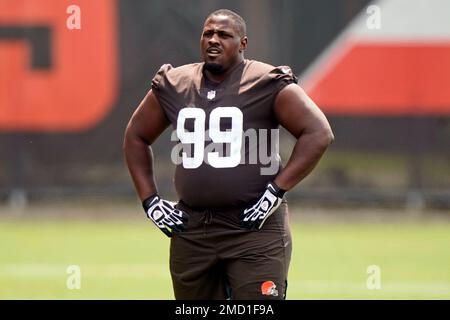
<point x="254" y="217"/>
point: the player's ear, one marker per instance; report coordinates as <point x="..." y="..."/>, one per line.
<point x="243" y="44"/>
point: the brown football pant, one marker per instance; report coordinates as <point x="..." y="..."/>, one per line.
<point x="215" y="258"/>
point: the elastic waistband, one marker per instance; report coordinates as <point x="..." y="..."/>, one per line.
<point x="225" y="209"/>
<point x="217" y="210"/>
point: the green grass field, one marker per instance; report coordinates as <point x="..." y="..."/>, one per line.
<point x="128" y="259"/>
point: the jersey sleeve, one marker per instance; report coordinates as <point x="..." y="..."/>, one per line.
<point x="160" y="88"/>
<point x="159" y="80"/>
<point x="282" y="76"/>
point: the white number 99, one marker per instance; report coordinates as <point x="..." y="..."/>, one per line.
<point x="197" y="137"/>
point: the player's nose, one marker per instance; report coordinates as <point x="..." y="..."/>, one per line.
<point x="213" y="40"/>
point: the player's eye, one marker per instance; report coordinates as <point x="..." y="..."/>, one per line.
<point x="207" y="33"/>
<point x="224" y="35"/>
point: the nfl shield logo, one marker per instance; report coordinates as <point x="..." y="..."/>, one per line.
<point x="211" y="94"/>
<point x="285" y="70"/>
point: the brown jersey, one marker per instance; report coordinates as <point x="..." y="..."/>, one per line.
<point x="227" y="131"/>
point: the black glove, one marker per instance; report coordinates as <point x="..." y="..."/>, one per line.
<point x="164" y="215"/>
<point x="254" y="217"/>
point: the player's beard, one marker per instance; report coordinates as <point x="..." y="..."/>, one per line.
<point x="214" y="68"/>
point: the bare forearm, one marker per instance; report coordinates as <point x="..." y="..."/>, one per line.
<point x="139" y="158"/>
<point x="307" y="152"/>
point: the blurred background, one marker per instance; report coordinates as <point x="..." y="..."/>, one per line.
<point x="73" y="72"/>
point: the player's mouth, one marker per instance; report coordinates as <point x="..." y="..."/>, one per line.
<point x="213" y="51"/>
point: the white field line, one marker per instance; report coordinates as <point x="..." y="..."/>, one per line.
<point x="88" y="270"/>
<point x="419" y="288"/>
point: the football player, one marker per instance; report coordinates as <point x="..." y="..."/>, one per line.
<point x="229" y="229"/>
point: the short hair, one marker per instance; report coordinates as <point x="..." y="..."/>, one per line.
<point x="238" y="20"/>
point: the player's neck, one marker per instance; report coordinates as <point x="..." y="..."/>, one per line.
<point x="218" y="78"/>
<point x="215" y="78"/>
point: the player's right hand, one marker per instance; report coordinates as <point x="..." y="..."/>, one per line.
<point x="163" y="213"/>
